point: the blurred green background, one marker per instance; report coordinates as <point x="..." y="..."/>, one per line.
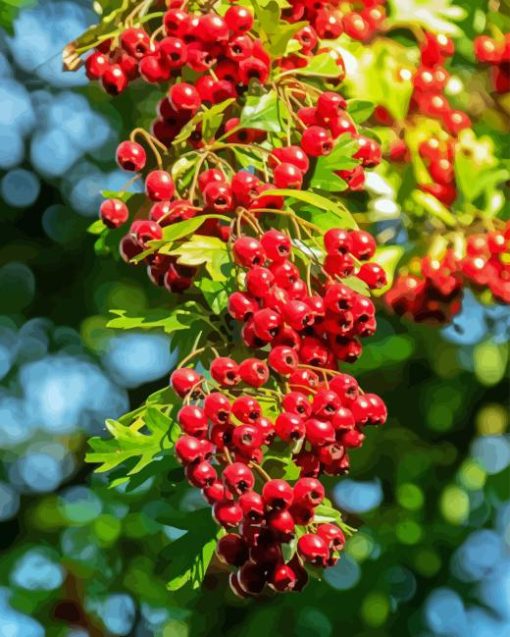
<point x="430" y="492"/>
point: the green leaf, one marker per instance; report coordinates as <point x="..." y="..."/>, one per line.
<point x="96" y="227"/>
<point x="123" y="195"/>
<point x="184" y="228"/>
<point x="343" y="216"/>
<point x="9" y="10"/>
<point x="203" y="249"/>
<point x="341" y="158"/>
<point x="213" y="117"/>
<point x="438" y="16"/>
<point x="268" y="16"/>
<point x="360" y="110"/>
<point x="129" y="442"/>
<point x="266" y="112"/>
<point x="188" y="558"/>
<point x="248" y="158"/>
<point x="215" y="293"/>
<point x="180" y="318"/>
<point x="278" y="42"/>
<point x="322" y="65"/>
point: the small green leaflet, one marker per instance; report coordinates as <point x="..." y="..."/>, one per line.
<point x="215" y="293"/>
<point x="129" y="442"/>
<point x="322" y="65"/>
<point x="278" y="42"/>
<point x="203" y="249"/>
<point x="266" y="112"/>
<point x="388" y="257"/>
<point x="318" y="201"/>
<point x="341" y="158"/>
<point x="96" y="227"/>
<point x="360" y="110"/>
<point x="170" y="321"/>
<point x="185" y="561"/>
<point x="210" y="118"/>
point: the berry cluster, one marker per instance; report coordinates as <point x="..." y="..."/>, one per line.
<point x="496" y="53"/>
<point x="223" y="444"/>
<point x="278" y="308"/>
<point x="433" y="293"/>
<point x="328" y="20"/>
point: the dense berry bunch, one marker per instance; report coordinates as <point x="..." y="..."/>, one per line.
<point x="329" y="20"/>
<point x="316" y="323"/>
<point x="433" y="291"/>
<point x="226" y="438"/>
<point x="496" y="53"/>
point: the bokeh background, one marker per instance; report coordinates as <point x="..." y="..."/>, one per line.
<point x="430" y="492"/>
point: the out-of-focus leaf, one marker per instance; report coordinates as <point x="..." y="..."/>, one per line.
<point x="438" y="16"/>
<point x="388" y="257"/>
<point x="180" y="318"/>
<point x="360" y="110"/>
<point x="322" y="65"/>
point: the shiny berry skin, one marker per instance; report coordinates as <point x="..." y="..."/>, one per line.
<point x="356" y="27"/>
<point x="212" y="28"/>
<point x="286" y="175"/>
<point x="184" y="97"/>
<point x="228" y="514"/>
<point x="282" y="523"/>
<point x="283" y="359"/>
<point x="225" y="371"/>
<point x="241" y="307"/>
<point x="276" y="244"/>
<point x="343" y="419"/>
<point x="308" y="492"/>
<point x="135" y="42"/>
<point x="184" y="380"/>
<point x="239" y="19"/>
<point x="363" y="245"/>
<point x="330" y="105"/>
<point x="174" y="52"/>
<point x="266" y="324"/>
<point x="192" y="420"/>
<point x="313" y="548"/>
<point x="292" y="155"/>
<point x="249" y="252"/>
<point x="176" y="22"/>
<point x="251" y="578"/>
<point x="159" y="185"/>
<point x="217" y="407"/>
<point x="247" y="438"/>
<point x="373" y="275"/>
<point x="325" y="404"/>
<point x="332" y="534"/>
<point x="144" y="231"/>
<point x="218" y="197"/>
<point x="319" y="432"/>
<point x="316" y="141"/>
<point x="188" y="449"/>
<point x="296" y="402"/>
<point x="246" y="409"/>
<point x="113" y="213"/>
<point x="252" y="505"/>
<point x="254" y="372"/>
<point x="232" y="549"/>
<point x="131" y="156"/>
<point x="283" y="578"/>
<point x="337" y="241"/>
<point x="303" y="379"/>
<point x="212" y="175"/>
<point x="114" y="80"/>
<point x="245" y="187"/>
<point x="487" y="50"/>
<point x="455" y="121"/>
<point x="95" y="65"/>
<point x="369" y="152"/>
<point x="214" y="492"/>
<point x="277" y="494"/>
<point x="238" y="477"/>
<point x="259" y="281"/>
<point x="290" y="427"/>
<point x="201" y="475"/>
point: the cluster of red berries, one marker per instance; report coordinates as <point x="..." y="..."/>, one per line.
<point x="496" y="53"/>
<point x="223" y="443"/>
<point x="328" y="20"/>
<point x="435" y="293"/>
<point x="301" y="326"/>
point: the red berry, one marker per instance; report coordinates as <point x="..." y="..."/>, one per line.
<point x="135" y="42"/>
<point x="184" y="380"/>
<point x="292" y="155"/>
<point x="246" y="409"/>
<point x="283" y="578"/>
<point x="232" y="549"/>
<point x="239" y="19"/>
<point x="276" y="244"/>
<point x="95" y="65"/>
<point x="277" y="494"/>
<point x="254" y="372"/>
<point x="241" y="307"/>
<point x="332" y="534"/>
<point x="297" y="403"/>
<point x="188" y="449"/>
<point x="308" y="492"/>
<point x="238" y="477"/>
<point x="225" y="371"/>
<point x="316" y="141"/>
<point x="114" y="80"/>
<point x="313" y="548"/>
<point x="283" y="359"/>
<point x="113" y="213"/>
<point x="248" y="252"/>
<point x="373" y="275"/>
<point x="184" y="97"/>
<point x="131" y="156"/>
<point x="228" y="514"/>
<point x="159" y="185"/>
<point x="202" y="474"/>
<point x="252" y="506"/>
<point x="330" y="105"/>
<point x="289" y="427"/>
<point x="286" y="175"/>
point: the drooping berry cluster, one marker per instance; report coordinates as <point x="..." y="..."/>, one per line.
<point x="315" y="327"/>
<point x="433" y="292"/>
<point x="496" y="53"/>
<point x="225" y="438"/>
